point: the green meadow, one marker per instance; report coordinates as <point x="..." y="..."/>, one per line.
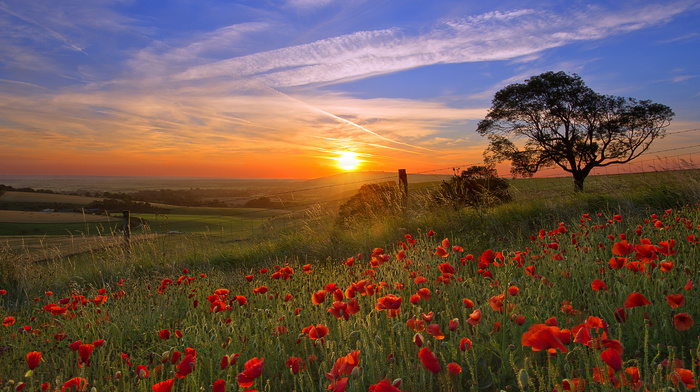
<point x="554" y="290"/>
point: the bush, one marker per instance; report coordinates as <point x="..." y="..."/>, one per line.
<point x="372" y="201"/>
<point x="475" y="186"/>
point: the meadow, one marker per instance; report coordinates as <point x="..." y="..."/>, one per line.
<point x="593" y="291"/>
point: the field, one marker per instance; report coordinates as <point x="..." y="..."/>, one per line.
<point x="578" y="292"/>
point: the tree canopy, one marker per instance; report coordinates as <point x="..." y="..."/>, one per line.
<point x="566" y="124"/>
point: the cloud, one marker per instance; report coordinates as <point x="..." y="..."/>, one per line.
<point x="487" y="37"/>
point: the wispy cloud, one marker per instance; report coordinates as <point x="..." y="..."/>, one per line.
<point x="491" y="36"/>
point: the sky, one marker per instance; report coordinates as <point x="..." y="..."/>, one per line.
<point x="290" y="88"/>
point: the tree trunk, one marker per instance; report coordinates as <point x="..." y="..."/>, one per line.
<point x="578" y="181"/>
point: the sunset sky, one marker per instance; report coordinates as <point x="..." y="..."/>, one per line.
<point x="286" y="88"/>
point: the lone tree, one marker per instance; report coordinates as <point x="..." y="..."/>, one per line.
<point x="567" y="124"/>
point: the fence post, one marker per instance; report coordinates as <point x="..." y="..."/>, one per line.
<point x="127" y="229"/>
<point x="403" y="184"/>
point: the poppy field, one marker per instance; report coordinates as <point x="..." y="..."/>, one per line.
<point x="603" y="302"/>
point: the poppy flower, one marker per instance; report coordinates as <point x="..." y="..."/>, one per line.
<point x="434" y="330"/>
<point x="468" y="303"/>
<point x="384" y="385"/>
<point x="9" y="320"/>
<point x="429" y="360"/>
<point x="622" y="248"/>
<point x="689" y="285"/>
<point x="253" y="370"/>
<point x="683" y="375"/>
<point x="33" y="359"/>
<point x="420" y="280"/>
<point x="295" y="364"/>
<point x="417" y="325"/>
<point x="617" y="262"/>
<point x="260" y="290"/>
<point x="318" y="297"/>
<point x="598" y="285"/>
<point x="454" y="369"/>
<point x="634" y="300"/>
<point x="573" y="385"/>
<point x="454" y="324"/>
<point x="186" y="366"/>
<point x="164" y="334"/>
<point x="391" y="303"/>
<point x="440" y="251"/>
<point x="163" y="386"/>
<point x="496" y="302"/>
<point x="612" y="358"/>
<point x="79" y="383"/>
<point x="543" y="337"/>
<point x="465" y="344"/>
<point x="318" y="332"/>
<point x="424" y="293"/>
<point x="513" y="291"/>
<point x="620" y="315"/>
<point x="683" y="321"/>
<point x="85" y="350"/>
<point x="675" y="300"/>
<point x="219" y="386"/>
<point x="475" y="317"/>
<point x="446" y="268"/>
<point x="142" y="372"/>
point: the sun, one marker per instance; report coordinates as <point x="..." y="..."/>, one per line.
<point x="348" y="160"/>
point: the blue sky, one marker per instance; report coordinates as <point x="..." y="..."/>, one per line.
<point x="282" y="88"/>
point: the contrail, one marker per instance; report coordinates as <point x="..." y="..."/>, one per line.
<point x="53" y="33"/>
<point x="352" y="123"/>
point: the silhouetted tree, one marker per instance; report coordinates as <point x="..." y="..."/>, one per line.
<point x="475" y="186"/>
<point x="567" y="124"/>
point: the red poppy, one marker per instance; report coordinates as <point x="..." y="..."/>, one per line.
<point x="496" y="302"/>
<point x="612" y="358"/>
<point x="683" y="321"/>
<point x="620" y="315"/>
<point x="219" y="386"/>
<point x="186" y="366"/>
<point x="454" y="369"/>
<point x="142" y="372"/>
<point x="475" y="317"/>
<point x="684" y="375"/>
<point x="465" y="344"/>
<point x="260" y="290"/>
<point x="163" y="386"/>
<point x="420" y="280"/>
<point x="454" y="324"/>
<point x="384" y="386"/>
<point x="428" y="317"/>
<point x="446" y="268"/>
<point x="552" y="322"/>
<point x="318" y="332"/>
<point x="440" y="251"/>
<point x="33" y="359"/>
<point x="249" y="278"/>
<point x="622" y="248"/>
<point x="675" y="300"/>
<point x="513" y="290"/>
<point x="391" y="303"/>
<point x="468" y="303"/>
<point x="424" y="293"/>
<point x="434" y="330"/>
<point x="85" y="350"/>
<point x="543" y="337"/>
<point x="429" y="360"/>
<point x="417" y="325"/>
<point x="634" y="300"/>
<point x="9" y="320"/>
<point x="79" y="383"/>
<point x="418" y="339"/>
<point x="598" y="285"/>
<point x="253" y="370"/>
<point x="617" y="262"/>
<point x="164" y="334"/>
<point x="318" y="297"/>
<point x="573" y="385"/>
<point x="295" y="364"/>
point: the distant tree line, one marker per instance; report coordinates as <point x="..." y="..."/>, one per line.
<point x="8" y="188"/>
<point x="115" y="206"/>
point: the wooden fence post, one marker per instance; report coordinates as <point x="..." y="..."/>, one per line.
<point x="403" y="184"/>
<point x="127" y="229"/>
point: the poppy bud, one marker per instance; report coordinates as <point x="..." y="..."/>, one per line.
<point x="396" y="383"/>
<point x="418" y="339"/>
<point x="356" y="372"/>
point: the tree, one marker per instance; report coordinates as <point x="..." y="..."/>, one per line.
<point x="475" y="186"/>
<point x="567" y="124"/>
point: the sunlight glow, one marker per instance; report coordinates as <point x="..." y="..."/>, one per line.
<point x="348" y="160"/>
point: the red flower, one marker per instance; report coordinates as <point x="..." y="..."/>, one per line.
<point x="475" y="317"/>
<point x="612" y="358"/>
<point x="85" y="350"/>
<point x="424" y="293"/>
<point x="675" y="300"/>
<point x="634" y="300"/>
<point x="434" y="330"/>
<point x="253" y="370"/>
<point x="33" y="359"/>
<point x="163" y="386"/>
<point x="598" y="285"/>
<point x="513" y="290"/>
<point x="622" y="248"/>
<point x="454" y="369"/>
<point x="468" y="303"/>
<point x="429" y="360"/>
<point x="683" y="321"/>
<point x="496" y="302"/>
<point x="685" y="376"/>
<point x="78" y="382"/>
<point x="383" y="386"/>
<point x="318" y="332"/>
<point x="260" y="290"/>
<point x="142" y="372"/>
<point x="465" y="344"/>
<point x="318" y="297"/>
<point x="9" y="320"/>
<point x="620" y="315"/>
<point x="295" y="364"/>
<point x="164" y="334"/>
<point x="219" y="386"/>
<point x="391" y="303"/>
<point x="543" y="337"/>
<point x="186" y="366"/>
